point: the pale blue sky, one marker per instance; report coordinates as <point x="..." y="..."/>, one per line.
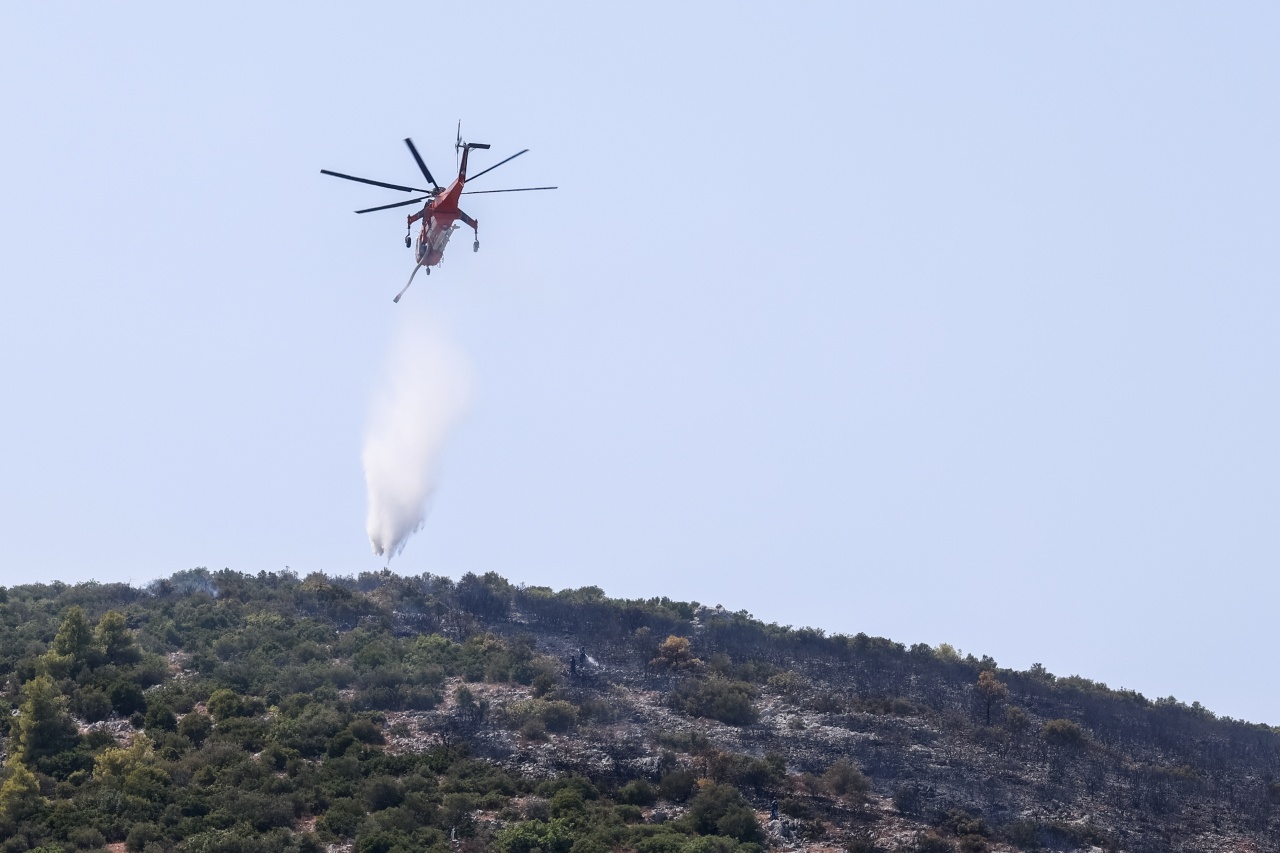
<point x="940" y="322"/>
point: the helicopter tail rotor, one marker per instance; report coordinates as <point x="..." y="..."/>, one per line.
<point x="466" y="148"/>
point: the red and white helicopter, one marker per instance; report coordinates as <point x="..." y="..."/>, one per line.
<point x="441" y="212"/>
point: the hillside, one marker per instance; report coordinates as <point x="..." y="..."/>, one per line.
<point x="214" y="712"/>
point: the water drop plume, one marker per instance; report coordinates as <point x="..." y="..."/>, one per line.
<point x="422" y="394"/>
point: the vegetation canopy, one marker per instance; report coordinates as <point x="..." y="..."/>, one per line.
<point x="217" y="712"/>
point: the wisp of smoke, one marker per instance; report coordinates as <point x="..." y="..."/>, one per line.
<point x="424" y="392"/>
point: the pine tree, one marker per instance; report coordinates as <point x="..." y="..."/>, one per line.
<point x="72" y="649"/>
<point x="75" y="638"/>
<point x="116" y="640"/>
<point x="44" y="727"/>
<point x="20" y="793"/>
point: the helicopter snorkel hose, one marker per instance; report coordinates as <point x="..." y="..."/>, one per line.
<point x="416" y="267"/>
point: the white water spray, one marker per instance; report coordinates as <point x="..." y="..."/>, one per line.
<point x="424" y="392"/>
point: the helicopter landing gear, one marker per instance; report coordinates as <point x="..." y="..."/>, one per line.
<point x="475" y="226"/>
<point x="428" y="269"/>
<point x="407" y="241"/>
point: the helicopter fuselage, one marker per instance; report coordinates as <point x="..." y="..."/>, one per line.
<point x="438" y="217"/>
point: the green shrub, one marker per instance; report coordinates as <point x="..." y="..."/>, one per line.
<point x="340" y="743"/>
<point x="678" y="785"/>
<point x="549" y="837"/>
<point x="628" y="813"/>
<point x="717" y="698"/>
<point x="342" y="818"/>
<point x="224" y="704"/>
<point x="567" y="803"/>
<point x="796" y="807"/>
<point x="126" y="698"/>
<point x="367" y="731"/>
<point x="638" y="792"/>
<point x="684" y="741"/>
<point x="160" y="718"/>
<point x="558" y="716"/>
<point x="844" y="779"/>
<point x="382" y="792"/>
<point x="746" y="771"/>
<point x="140" y="835"/>
<point x="664" y="840"/>
<point x="223" y="841"/>
<point x="721" y="810"/>
<point x="1064" y="733"/>
<point x="196" y="727"/>
<point x="249" y="733"/>
<point x="716" y="844"/>
<point x="597" y="711"/>
<point x="92" y="704"/>
<point x="86" y="837"/>
<point x="554" y="716"/>
<point x="960" y="822"/>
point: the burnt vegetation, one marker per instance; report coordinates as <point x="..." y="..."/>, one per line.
<point x="215" y="712"/>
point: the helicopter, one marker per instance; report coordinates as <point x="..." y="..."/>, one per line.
<point x="441" y="212"/>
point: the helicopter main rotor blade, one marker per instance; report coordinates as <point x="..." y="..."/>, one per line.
<point x="517" y="190"/>
<point x="397" y="204"/>
<point x="421" y="165"/>
<point x="375" y="183"/>
<point x="496" y="165"/>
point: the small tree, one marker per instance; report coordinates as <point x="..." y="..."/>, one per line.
<point x="1016" y="719"/>
<point x="160" y="718"/>
<point x="470" y="709"/>
<point x="115" y="639"/>
<point x="990" y="691"/>
<point x="20" y="793"/>
<point x="721" y="810"/>
<point x="638" y="792"/>
<point x="196" y="727"/>
<point x="224" y="704"/>
<point x="127" y="698"/>
<point x="72" y="648"/>
<point x="674" y="654"/>
<point x="946" y="652"/>
<point x="44" y="727"/>
<point x="844" y="779"/>
<point x="74" y="638"/>
<point x="678" y="785"/>
<point x="113" y="765"/>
